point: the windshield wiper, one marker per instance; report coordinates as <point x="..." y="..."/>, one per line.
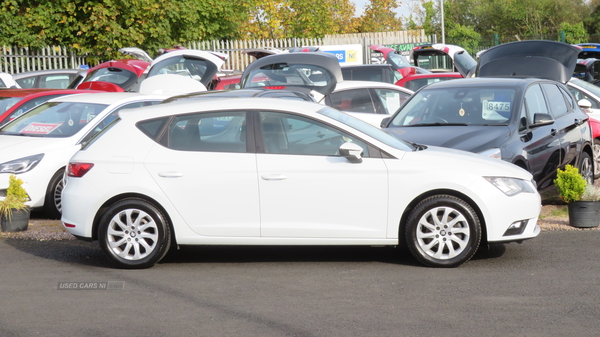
<point x="439" y="124"/>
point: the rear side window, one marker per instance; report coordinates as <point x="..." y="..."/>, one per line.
<point x="207" y="132"/>
<point x="556" y="101"/>
<point x="356" y="100"/>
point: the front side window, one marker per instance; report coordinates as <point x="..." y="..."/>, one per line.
<point x="535" y="102"/>
<point x="209" y="132"/>
<point x="54" y="119"/>
<point x="55" y="81"/>
<point x="462" y="106"/>
<point x="290" y="134"/>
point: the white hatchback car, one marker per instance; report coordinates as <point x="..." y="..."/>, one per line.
<point x="262" y="171"/>
<point x="37" y="145"/>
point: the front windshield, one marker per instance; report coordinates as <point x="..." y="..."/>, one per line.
<point x="367" y="129"/>
<point x="282" y="74"/>
<point x="7" y="103"/>
<point x="54" y="119"/>
<point x="458" y="106"/>
<point x="594" y="89"/>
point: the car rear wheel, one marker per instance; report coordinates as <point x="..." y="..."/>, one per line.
<point x="596" y="158"/>
<point x="443" y="231"/>
<point x="586" y="168"/>
<point x="134" y="234"/>
<point x="53" y="199"/>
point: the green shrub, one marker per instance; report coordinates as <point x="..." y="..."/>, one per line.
<point x="570" y="184"/>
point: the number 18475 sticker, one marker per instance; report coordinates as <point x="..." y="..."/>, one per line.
<point x="496" y="110"/>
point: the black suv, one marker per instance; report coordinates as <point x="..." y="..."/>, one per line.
<point x="533" y="122"/>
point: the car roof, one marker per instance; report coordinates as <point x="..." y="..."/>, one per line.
<point x="239" y="93"/>
<point x="189" y="106"/>
<point x="106" y="97"/>
<point x="45" y="72"/>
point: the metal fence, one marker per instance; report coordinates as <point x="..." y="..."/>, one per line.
<point x="15" y="60"/>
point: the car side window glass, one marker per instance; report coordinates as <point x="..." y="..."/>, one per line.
<point x="357" y="100"/>
<point x="556" y="100"/>
<point x="535" y="102"/>
<point x="26" y="83"/>
<point x="208" y="132"/>
<point x="390" y="100"/>
<point x="579" y="95"/>
<point x="290" y="134"/>
<point x="568" y="98"/>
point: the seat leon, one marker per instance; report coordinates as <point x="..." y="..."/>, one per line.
<point x="262" y="171"/>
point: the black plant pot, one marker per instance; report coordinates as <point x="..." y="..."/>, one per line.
<point x="19" y="220"/>
<point x="584" y="214"/>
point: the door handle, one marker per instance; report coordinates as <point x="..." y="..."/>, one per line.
<point x="553" y="132"/>
<point x="170" y="174"/>
<point x="273" y="177"/>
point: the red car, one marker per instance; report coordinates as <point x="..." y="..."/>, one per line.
<point x="417" y="81"/>
<point x="14" y="102"/>
<point x="395" y="58"/>
<point x="116" y="76"/>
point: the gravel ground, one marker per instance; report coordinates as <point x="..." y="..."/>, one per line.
<point x="552" y="218"/>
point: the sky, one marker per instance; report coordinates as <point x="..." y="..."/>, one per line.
<point x="360" y="5"/>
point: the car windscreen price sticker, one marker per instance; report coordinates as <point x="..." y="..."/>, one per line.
<point x="495" y="110"/>
<point x="40" y="128"/>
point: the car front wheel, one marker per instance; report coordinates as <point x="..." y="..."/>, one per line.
<point x="53" y="199"/>
<point x="443" y="231"/>
<point x="134" y="234"/>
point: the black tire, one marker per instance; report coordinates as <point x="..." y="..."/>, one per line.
<point x="134" y="247"/>
<point x="53" y="199"/>
<point x="596" y="151"/>
<point x="586" y="167"/>
<point x="430" y="244"/>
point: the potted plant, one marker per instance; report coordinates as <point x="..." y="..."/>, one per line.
<point x="14" y="214"/>
<point x="581" y="198"/>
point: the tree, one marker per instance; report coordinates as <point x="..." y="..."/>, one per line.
<point x="380" y="16"/>
<point x="273" y="19"/>
<point x="101" y="27"/>
<point x="574" y="34"/>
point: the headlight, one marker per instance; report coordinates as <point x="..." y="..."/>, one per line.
<point x="21" y="165"/>
<point x="511" y="186"/>
<point x="494" y="153"/>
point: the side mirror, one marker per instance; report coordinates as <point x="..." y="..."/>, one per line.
<point x="385" y="122"/>
<point x="352" y="152"/>
<point x="540" y="119"/>
<point x="584" y="104"/>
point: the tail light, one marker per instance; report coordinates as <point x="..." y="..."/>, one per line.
<point x="78" y="170"/>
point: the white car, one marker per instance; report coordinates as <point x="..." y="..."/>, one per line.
<point x="263" y="171"/>
<point x="8" y="82"/>
<point x="37" y="145"/>
<point x="367" y="100"/>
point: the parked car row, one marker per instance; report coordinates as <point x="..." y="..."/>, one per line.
<point x="285" y="161"/>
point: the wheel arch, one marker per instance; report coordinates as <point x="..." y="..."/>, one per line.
<point x="415" y="201"/>
<point x="123" y="196"/>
